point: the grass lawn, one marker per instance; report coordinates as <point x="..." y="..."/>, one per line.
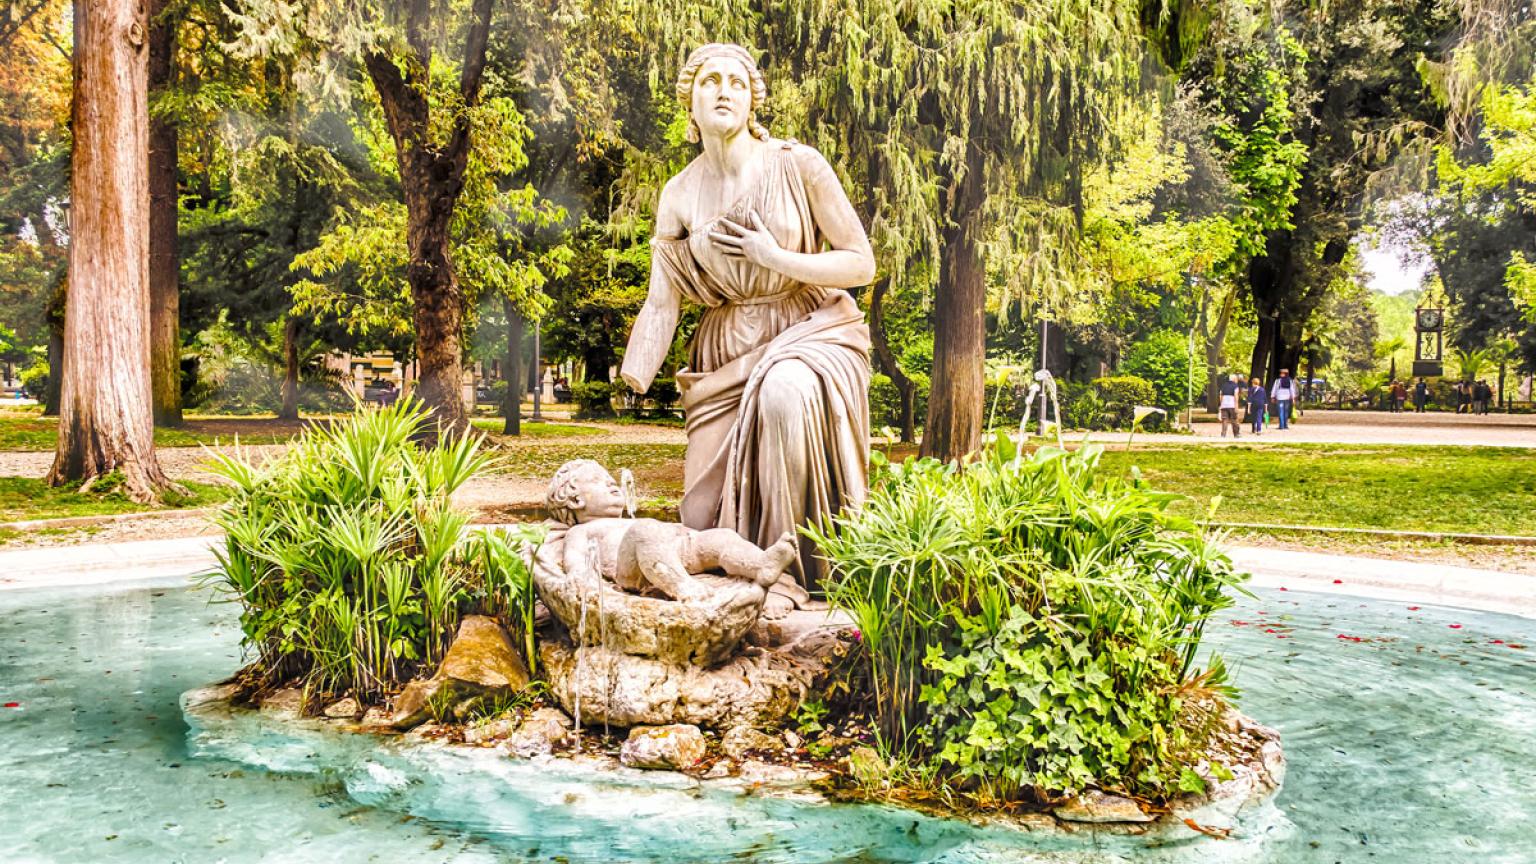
<point x="1478" y="490"/>
<point x="26" y="498"/>
<point x="30" y="431"/>
<point x="494" y="425"/>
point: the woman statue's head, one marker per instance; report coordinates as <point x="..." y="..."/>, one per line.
<point x="722" y="88"/>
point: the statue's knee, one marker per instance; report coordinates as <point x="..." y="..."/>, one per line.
<point x="789" y="391"/>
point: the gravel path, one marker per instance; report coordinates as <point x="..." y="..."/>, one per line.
<point x="1367" y="427"/>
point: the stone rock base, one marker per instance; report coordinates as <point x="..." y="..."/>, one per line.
<point x="759" y="687"/>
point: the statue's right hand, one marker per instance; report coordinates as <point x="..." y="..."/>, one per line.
<point x="634" y="383"/>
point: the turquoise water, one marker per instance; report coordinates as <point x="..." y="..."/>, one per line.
<point x="1409" y="741"/>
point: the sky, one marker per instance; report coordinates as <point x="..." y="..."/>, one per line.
<point x="1391" y="269"/>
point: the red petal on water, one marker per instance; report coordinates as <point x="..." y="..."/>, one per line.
<point x="1413" y="608"/>
<point x="1495" y="641"/>
<point x="1338" y="581"/>
<point x="1283" y="588"/>
<point x="13" y="704"/>
<point x="1454" y="626"/>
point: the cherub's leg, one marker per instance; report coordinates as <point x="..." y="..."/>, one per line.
<point x="651" y="553"/>
<point x="724" y="549"/>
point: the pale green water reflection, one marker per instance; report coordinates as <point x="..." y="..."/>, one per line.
<point x="1413" y="746"/>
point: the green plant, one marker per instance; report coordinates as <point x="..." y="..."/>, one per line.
<point x="1120" y="395"/>
<point x="594" y="400"/>
<point x="809" y="715"/>
<point x="1163" y="358"/>
<point x="1027" y="622"/>
<point x="350" y="564"/>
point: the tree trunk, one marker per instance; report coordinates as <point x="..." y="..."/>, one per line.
<point x="431" y="165"/>
<point x="1214" y="342"/>
<point x="953" y="428"/>
<point x="56" y="307"/>
<point x="105" y="420"/>
<point x="164" y="265"/>
<point x="290" y="407"/>
<point x="512" y="373"/>
<point x="905" y="389"/>
<point x="1055" y="353"/>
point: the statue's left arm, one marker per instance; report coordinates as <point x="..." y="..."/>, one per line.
<point x="848" y="262"/>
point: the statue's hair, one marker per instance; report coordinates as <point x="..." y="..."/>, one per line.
<point x="563" y="499"/>
<point x="690" y="71"/>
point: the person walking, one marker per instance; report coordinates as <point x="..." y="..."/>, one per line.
<point x="1399" y="396"/>
<point x="1461" y="397"/>
<point x="1484" y="395"/>
<point x="1420" y="396"/>
<point x="1257" y="400"/>
<point x="1283" y="393"/>
<point x="1229" y="390"/>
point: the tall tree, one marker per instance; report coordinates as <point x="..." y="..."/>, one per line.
<point x="432" y="145"/>
<point x="105" y="420"/>
<point x="164" y="262"/>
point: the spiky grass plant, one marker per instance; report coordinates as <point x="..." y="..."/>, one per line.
<point x="1027" y="623"/>
<point x="352" y="567"/>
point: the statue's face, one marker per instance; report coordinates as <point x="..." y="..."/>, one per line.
<point x="601" y="497"/>
<point x="722" y="96"/>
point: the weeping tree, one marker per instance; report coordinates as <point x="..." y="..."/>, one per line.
<point x="105" y="422"/>
<point x="965" y="128"/>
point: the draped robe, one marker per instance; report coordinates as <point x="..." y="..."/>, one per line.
<point x="776" y="393"/>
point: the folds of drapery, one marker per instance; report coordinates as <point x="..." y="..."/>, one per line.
<point x="777" y="436"/>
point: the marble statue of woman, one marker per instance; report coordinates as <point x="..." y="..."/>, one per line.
<point x="759" y="231"/>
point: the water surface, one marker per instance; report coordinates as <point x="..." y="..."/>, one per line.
<point x="1408" y="730"/>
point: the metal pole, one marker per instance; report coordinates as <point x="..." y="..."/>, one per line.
<point x="538" y="369"/>
<point x="1044" y="334"/>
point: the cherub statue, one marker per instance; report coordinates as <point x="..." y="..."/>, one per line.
<point x="647" y="555"/>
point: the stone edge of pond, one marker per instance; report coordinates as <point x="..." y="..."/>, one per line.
<point x="1215" y="813"/>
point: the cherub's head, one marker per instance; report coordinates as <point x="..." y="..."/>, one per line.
<point x="581" y="491"/>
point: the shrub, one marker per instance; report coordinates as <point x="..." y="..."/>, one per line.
<point x="594" y="400"/>
<point x="351" y="567"/>
<point x="1028" y="625"/>
<point x="663" y="395"/>
<point x="34" y="380"/>
<point x="1082" y="407"/>
<point x="1163" y="359"/>
<point x="1121" y="394"/>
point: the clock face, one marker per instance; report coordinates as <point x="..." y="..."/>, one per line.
<point x="1429" y="319"/>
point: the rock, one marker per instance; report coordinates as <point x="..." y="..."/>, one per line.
<point x="376" y="718"/>
<point x="741" y="739"/>
<point x="868" y="767"/>
<point x="284" y="704"/>
<point x="754" y="689"/>
<point x="482" y="656"/>
<point x="538" y="734"/>
<point x="757" y="773"/>
<point x="792" y="739"/>
<point x="415" y="702"/>
<point x="676" y="747"/>
<point x="1099" y="807"/>
<point x="480" y="662"/>
<point x="491" y="730"/>
<point x="719" y="771"/>
<point x="1274" y="761"/>
<point x="343" y="709"/>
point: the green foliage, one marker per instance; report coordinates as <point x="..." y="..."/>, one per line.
<point x="351" y="566"/>
<point x="1027" y="622"/>
<point x="1163" y="358"/>
<point x="34" y="378"/>
<point x="1120" y="395"/>
<point x="594" y="399"/>
<point x="885" y="400"/>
